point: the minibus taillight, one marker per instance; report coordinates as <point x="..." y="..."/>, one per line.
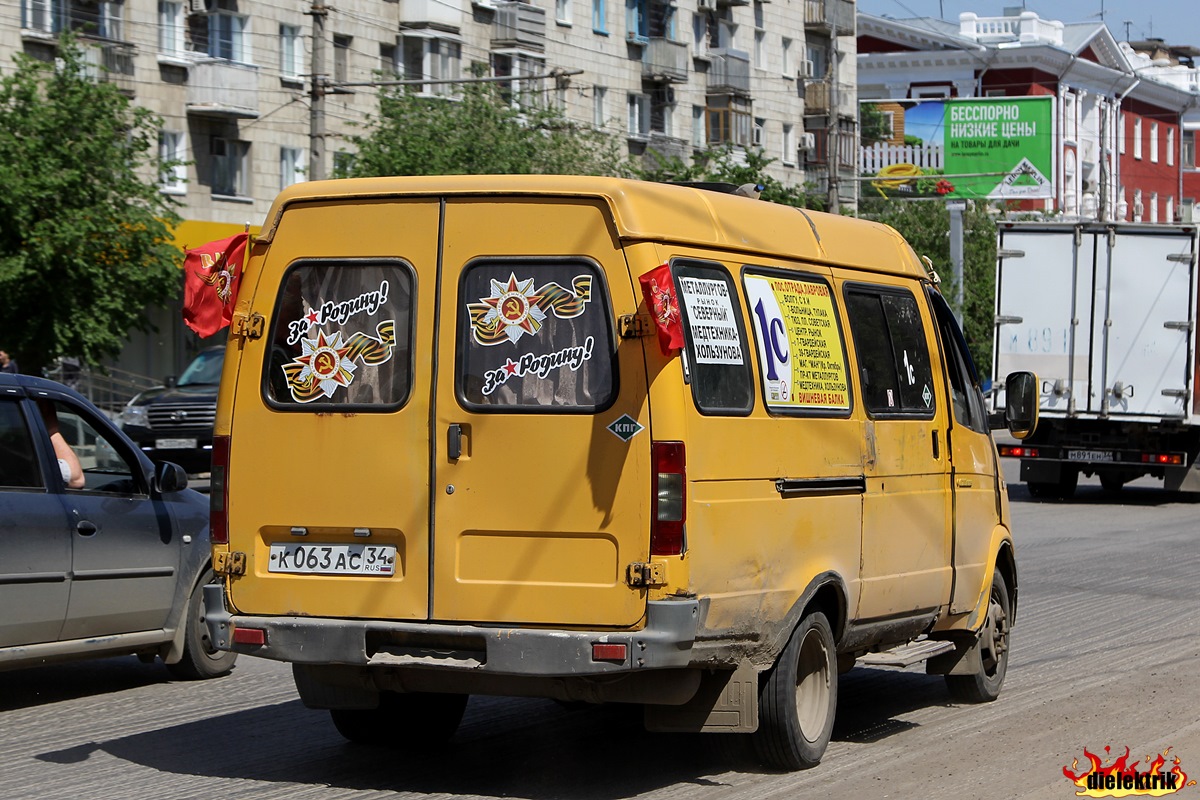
<point x="218" y="491"/>
<point x="670" y="499"/>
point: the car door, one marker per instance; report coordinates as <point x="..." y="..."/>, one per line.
<point x="35" y="545"/>
<point x="906" y="537"/>
<point x="124" y="550"/>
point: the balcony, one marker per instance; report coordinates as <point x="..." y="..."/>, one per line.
<point x="519" y="25"/>
<point x="820" y="94"/>
<point x="438" y="12"/>
<point x="831" y="17"/>
<point x="113" y="63"/>
<point x="729" y="70"/>
<point x="665" y="60"/>
<point x="226" y="89"/>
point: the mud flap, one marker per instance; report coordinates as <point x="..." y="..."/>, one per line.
<point x="964" y="659"/>
<point x="726" y="702"/>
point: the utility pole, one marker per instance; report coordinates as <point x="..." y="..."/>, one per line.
<point x="832" y="132"/>
<point x="316" y="117"/>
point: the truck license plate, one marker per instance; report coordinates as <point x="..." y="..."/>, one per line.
<point x="1090" y="455"/>
<point x="175" y="444"/>
<point x="333" y="559"/>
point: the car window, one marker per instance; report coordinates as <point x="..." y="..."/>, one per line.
<point x="18" y="459"/>
<point x="107" y="465"/>
<point x="893" y="357"/>
<point x="535" y="336"/>
<point x="717" y="355"/>
<point x="801" y="355"/>
<point x="342" y="337"/>
<point x="204" y="369"/>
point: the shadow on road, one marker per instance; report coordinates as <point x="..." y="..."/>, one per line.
<point x="1096" y="495"/>
<point x="52" y="683"/>
<point x="521" y="748"/>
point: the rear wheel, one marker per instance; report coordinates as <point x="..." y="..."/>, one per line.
<point x="200" y="658"/>
<point x="798" y="697"/>
<point x="403" y="719"/>
<point x="993" y="644"/>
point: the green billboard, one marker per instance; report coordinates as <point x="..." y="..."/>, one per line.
<point x="995" y="148"/>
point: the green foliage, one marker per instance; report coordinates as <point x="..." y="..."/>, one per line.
<point x="872" y="124"/>
<point x="926" y="226"/>
<point x="725" y="164"/>
<point x="480" y="133"/>
<point x="85" y="240"/>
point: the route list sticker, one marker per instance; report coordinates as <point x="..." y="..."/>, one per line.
<point x="711" y="320"/>
<point x="799" y="343"/>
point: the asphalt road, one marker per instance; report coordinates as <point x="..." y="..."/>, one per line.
<point x="1104" y="654"/>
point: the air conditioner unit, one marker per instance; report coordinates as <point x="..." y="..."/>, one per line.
<point x="199" y="6"/>
<point x="808" y="142"/>
<point x="805" y="70"/>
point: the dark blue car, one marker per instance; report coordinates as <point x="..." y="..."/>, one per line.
<point x="102" y="552"/>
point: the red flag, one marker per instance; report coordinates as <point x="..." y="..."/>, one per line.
<point x="212" y="274"/>
<point x="659" y="291"/>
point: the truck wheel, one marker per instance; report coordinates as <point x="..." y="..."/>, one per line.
<point x="992" y="644"/>
<point x="200" y="658"/>
<point x="1111" y="482"/>
<point x="798" y="697"/>
<point x="403" y="719"/>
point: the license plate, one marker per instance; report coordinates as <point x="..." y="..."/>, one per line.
<point x="175" y="444"/>
<point x="333" y="559"/>
<point x="1090" y="455"/>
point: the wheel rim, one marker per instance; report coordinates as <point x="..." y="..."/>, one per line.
<point x="994" y="642"/>
<point x="812" y="686"/>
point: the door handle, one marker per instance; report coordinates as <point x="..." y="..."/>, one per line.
<point x="86" y="528"/>
<point x="454" y="441"/>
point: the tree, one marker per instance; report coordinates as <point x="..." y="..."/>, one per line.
<point x="480" y="132"/>
<point x="926" y="226"/>
<point x="85" y="239"/>
<point x="725" y="164"/>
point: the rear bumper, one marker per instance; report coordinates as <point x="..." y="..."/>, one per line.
<point x="665" y="642"/>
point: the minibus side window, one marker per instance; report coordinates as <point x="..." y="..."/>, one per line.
<point x="717" y="355"/>
<point x="535" y="336"/>
<point x="893" y="358"/>
<point x="341" y="337"/>
<point x="967" y="400"/>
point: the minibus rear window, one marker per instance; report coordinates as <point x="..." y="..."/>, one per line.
<point x="535" y="336"/>
<point x="342" y="337"/>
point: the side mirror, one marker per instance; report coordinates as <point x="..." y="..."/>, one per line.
<point x="1021" y="404"/>
<point x="169" y="478"/>
<point x="170" y="381"/>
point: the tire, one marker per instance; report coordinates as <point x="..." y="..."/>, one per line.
<point x="200" y="659"/>
<point x="1112" y="483"/>
<point x="993" y="645"/>
<point x="403" y="719"/>
<point x="797" y="699"/>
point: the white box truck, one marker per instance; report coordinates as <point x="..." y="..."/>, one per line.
<point x="1105" y="315"/>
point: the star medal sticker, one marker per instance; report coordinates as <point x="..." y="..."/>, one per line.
<point x="664" y="304"/>
<point x="514" y="306"/>
<point x="324" y="362"/>
<point x="222" y="283"/>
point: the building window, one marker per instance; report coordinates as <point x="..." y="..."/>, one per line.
<point x="728" y="120"/>
<point x="170" y="29"/>
<point x="637" y="21"/>
<point x="43" y="15"/>
<point x="760" y="49"/>
<point x="599" y="11"/>
<point x="562" y="12"/>
<point x="1137" y="138"/>
<point x="387" y="60"/>
<point x="1121" y="138"/>
<point x="759" y="132"/>
<point x="788" y="156"/>
<point x="109" y="20"/>
<point x="1170" y="147"/>
<point x="698" y="137"/>
<point x="1138" y="207"/>
<point x="1154" y="142"/>
<point x="172" y="171"/>
<point x="291" y="166"/>
<point x="434" y="59"/>
<point x="1169" y="210"/>
<point x="291" y="52"/>
<point x="231" y="167"/>
<point x="1188" y="154"/>
<point x="819" y="56"/>
<point x="789" y="69"/>
<point x="662" y="111"/>
<point x="700" y="26"/>
<point x="639" y="116"/>
<point x="226" y="36"/>
<point x="341" y="58"/>
<point x="522" y="91"/>
<point x="599" y="113"/>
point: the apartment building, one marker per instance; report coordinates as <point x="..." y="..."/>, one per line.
<point x="233" y="81"/>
